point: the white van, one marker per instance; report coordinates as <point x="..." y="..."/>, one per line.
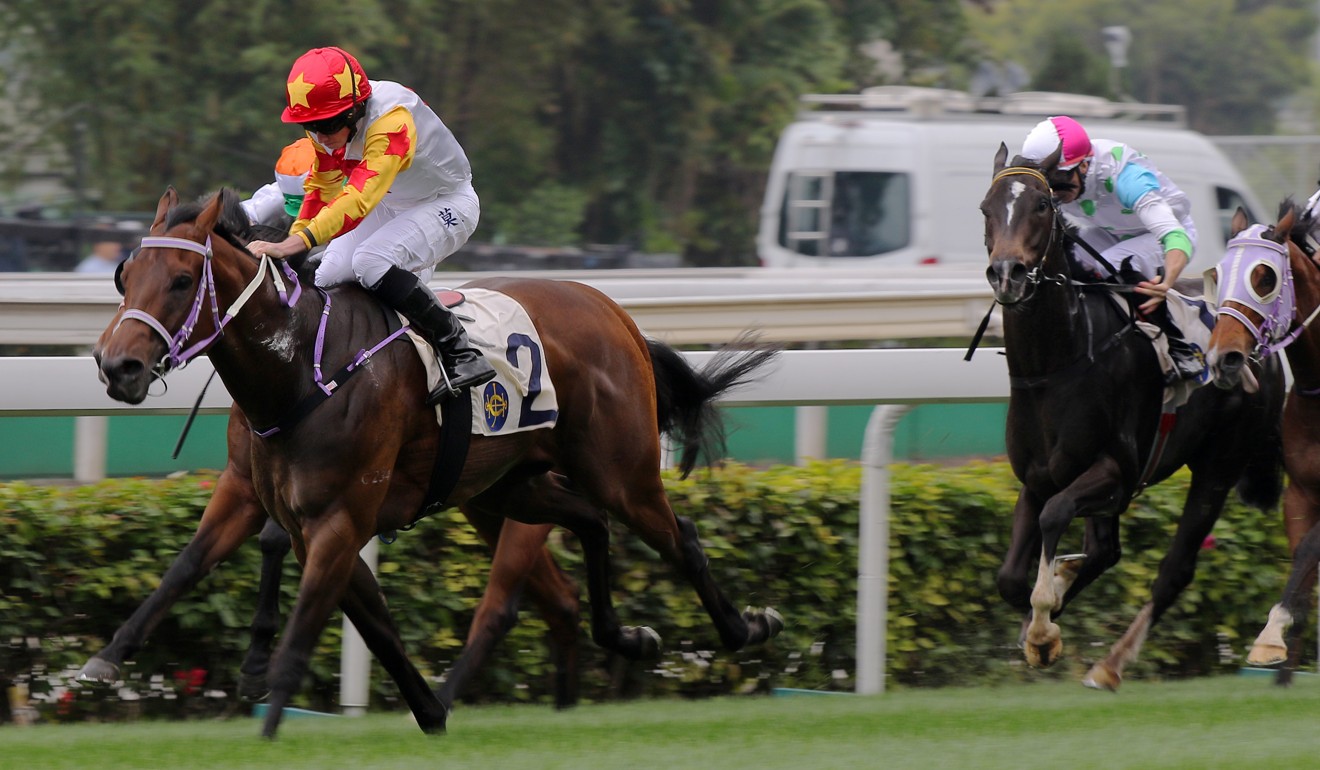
<point x="894" y="176"/>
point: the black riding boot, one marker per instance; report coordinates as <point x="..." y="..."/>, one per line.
<point x="467" y="368"/>
<point x="1186" y="364"/>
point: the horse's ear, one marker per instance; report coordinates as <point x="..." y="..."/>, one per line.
<point x="1239" y="222"/>
<point x="1051" y="162"/>
<point x="1001" y="157"/>
<point x="167" y="201"/>
<point x="1285" y="225"/>
<point x="210" y="214"/>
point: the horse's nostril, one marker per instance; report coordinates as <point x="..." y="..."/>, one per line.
<point x="124" y="368"/>
<point x="1018" y="272"/>
<point x="1232" y="361"/>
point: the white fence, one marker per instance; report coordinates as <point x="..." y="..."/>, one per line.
<point x="892" y="379"/>
<point x="678" y="306"/>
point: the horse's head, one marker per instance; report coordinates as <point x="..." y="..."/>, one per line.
<point x="1255" y="297"/>
<point x="1022" y="225"/>
<point x="164" y="284"/>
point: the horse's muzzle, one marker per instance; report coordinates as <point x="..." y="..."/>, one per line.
<point x="1230" y="370"/>
<point x="1008" y="280"/>
<point x="126" y="378"/>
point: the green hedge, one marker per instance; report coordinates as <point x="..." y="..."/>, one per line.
<point x="75" y="562"/>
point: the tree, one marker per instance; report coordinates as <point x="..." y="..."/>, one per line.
<point x="1227" y="63"/>
<point x="650" y="122"/>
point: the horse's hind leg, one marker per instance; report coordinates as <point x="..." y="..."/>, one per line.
<point x="546" y="498"/>
<point x="275" y="546"/>
<point x="521" y="563"/>
<point x="1205" y="500"/>
<point x="639" y="500"/>
<point x="232" y="516"/>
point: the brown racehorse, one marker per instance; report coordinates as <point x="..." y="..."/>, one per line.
<point x="521" y="564"/>
<point x="1269" y="296"/>
<point x="1084" y="412"/>
<point x="361" y="462"/>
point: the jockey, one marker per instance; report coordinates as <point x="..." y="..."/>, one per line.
<point x="1128" y="212"/>
<point x="390" y="195"/>
<point x="277" y="203"/>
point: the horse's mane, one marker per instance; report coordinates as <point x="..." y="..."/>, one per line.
<point x="1304" y="226"/>
<point x="233" y="224"/>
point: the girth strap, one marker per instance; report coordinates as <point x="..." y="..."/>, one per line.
<point x="1168" y="419"/>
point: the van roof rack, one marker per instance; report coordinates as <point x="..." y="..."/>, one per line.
<point x="924" y="103"/>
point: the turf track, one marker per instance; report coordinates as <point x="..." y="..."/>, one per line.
<point x="1228" y="722"/>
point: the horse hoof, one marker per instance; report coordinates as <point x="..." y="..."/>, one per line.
<point x="253" y="689"/>
<point x="1100" y="677"/>
<point x="762" y="625"/>
<point x="99" y="671"/>
<point x="1043" y="655"/>
<point x="1267" y="655"/>
<point x="639" y="643"/>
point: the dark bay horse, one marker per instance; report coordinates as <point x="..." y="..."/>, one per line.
<point x="361" y="462"/>
<point x="1084" y="417"/>
<point x="1268" y="295"/>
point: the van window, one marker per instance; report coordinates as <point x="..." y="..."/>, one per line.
<point x="846" y="213"/>
<point x="1228" y="202"/>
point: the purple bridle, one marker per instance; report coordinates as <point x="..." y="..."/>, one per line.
<point x="178" y="356"/>
<point x="1230" y="280"/>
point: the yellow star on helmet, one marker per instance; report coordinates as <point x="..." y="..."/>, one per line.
<point x="298" y="90"/>
<point x="349" y="82"/>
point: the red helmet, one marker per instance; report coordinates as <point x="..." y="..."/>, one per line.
<point x="323" y="83"/>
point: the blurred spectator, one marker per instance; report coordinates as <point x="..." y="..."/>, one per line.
<point x="13" y="254"/>
<point x="104" y="258"/>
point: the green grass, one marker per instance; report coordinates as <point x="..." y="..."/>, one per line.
<point x="1229" y="722"/>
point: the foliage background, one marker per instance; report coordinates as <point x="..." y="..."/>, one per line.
<point x="75" y="562"/>
<point x="648" y="123"/>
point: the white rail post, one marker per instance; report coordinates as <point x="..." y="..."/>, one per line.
<point x="810" y="427"/>
<point x="873" y="548"/>
<point x="355" y="658"/>
<point x="89" y="436"/>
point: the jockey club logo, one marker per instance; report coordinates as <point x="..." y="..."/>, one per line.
<point x="495" y="404"/>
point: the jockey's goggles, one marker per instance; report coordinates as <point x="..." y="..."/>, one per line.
<point x="330" y="125"/>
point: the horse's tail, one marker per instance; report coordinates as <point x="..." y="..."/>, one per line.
<point x="685" y="397"/>
<point x="1261" y="483"/>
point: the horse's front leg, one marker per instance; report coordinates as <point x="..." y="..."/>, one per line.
<point x="331" y="547"/>
<point x="364" y="604"/>
<point x="275" y="546"/>
<point x="231" y="517"/>
<point x="1205" y="500"/>
<point x="1300" y="512"/>
<point x="1286" y="617"/>
<point x="1013" y="578"/>
<point x="1091" y="492"/>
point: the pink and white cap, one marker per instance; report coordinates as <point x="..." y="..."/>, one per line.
<point x="1048" y="134"/>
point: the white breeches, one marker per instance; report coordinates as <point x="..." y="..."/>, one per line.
<point x="415" y="238"/>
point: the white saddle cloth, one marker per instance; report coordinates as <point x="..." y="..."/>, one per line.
<point x="1193" y="317"/>
<point x="521" y="397"/>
